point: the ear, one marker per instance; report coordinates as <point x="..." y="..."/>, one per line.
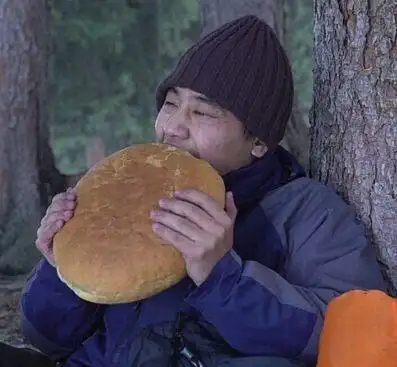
<point x="259" y="148"/>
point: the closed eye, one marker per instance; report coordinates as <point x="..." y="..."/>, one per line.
<point x="199" y="113"/>
<point x="170" y="104"/>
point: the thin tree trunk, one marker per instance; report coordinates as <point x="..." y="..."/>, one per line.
<point x="28" y="176"/>
<point x="354" y="117"/>
<point x="218" y="12"/>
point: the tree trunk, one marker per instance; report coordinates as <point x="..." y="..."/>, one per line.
<point x="354" y="117"/>
<point x="217" y="12"/>
<point x="28" y="177"/>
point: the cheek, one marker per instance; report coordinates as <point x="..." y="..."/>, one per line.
<point x="214" y="144"/>
<point x="159" y="126"/>
<point x="211" y="140"/>
<point x="222" y="138"/>
<point x="225" y="148"/>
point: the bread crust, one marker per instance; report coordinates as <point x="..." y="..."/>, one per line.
<point x="107" y="252"/>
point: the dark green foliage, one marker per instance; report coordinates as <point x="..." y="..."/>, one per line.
<point x="299" y="41"/>
<point x="107" y="56"/>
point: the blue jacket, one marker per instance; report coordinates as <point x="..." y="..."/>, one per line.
<point x="297" y="245"/>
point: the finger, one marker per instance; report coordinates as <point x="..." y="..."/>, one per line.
<point x="206" y="202"/>
<point x="47" y="251"/>
<point x="64" y="195"/>
<point x="192" y="212"/>
<point x="69" y="194"/>
<point x="71" y="190"/>
<point x="53" y="216"/>
<point x="61" y="205"/>
<point x="47" y="233"/>
<point x="68" y="214"/>
<point x="181" y="225"/>
<point x="44" y="246"/>
<point x="168" y="235"/>
<point x="231" y="208"/>
<point x="62" y="215"/>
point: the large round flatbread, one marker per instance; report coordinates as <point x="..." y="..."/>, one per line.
<point x="108" y="253"/>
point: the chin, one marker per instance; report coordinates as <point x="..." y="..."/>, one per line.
<point x="194" y="154"/>
<point x="216" y="167"/>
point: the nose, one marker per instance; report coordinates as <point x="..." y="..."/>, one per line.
<point x="177" y="126"/>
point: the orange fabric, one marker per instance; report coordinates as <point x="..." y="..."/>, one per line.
<point x="360" y="329"/>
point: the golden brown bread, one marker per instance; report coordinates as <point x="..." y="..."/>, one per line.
<point x="107" y="253"/>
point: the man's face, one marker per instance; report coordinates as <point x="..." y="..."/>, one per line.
<point x="190" y="121"/>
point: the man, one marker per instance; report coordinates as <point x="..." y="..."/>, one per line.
<point x="260" y="271"/>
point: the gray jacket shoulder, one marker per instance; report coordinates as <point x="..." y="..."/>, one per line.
<point x="303" y="201"/>
<point x="322" y="237"/>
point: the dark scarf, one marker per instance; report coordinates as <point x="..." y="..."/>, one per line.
<point x="254" y="235"/>
<point x="251" y="183"/>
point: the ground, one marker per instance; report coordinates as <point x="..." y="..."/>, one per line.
<point x="10" y="289"/>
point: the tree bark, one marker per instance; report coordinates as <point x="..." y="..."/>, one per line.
<point x="28" y="177"/>
<point x="354" y="116"/>
<point x="217" y="12"/>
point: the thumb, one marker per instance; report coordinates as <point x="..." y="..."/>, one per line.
<point x="231" y="208"/>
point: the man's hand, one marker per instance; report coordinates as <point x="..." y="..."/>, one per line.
<point x="58" y="213"/>
<point x="198" y="227"/>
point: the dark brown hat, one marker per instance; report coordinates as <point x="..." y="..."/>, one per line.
<point x="243" y="67"/>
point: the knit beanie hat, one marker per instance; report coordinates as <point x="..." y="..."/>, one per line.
<point x="242" y="67"/>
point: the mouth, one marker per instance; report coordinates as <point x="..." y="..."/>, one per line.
<point x="190" y="151"/>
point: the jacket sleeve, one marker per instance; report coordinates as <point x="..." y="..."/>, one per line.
<point x="53" y="318"/>
<point x="260" y="312"/>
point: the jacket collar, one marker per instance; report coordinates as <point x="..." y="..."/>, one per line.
<point x="251" y="183"/>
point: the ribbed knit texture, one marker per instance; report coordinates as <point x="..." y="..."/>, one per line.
<point x="243" y="67"/>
